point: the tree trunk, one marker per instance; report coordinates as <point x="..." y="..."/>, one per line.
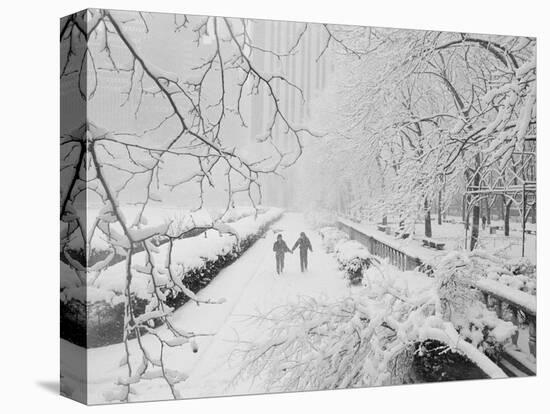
<point x="384" y="220"/>
<point x="439" y="217"/>
<point x="427" y="220"/>
<point x="465" y="217"/>
<point x="488" y="212"/>
<point x="475" y="227"/>
<point x="534" y="214"/>
<point x="507" y="218"/>
<point x="476" y="210"/>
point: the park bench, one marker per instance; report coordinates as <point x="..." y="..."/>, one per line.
<point x="493" y="229"/>
<point x="434" y="244"/>
<point x="381" y="228"/>
<point x="401" y="235"/>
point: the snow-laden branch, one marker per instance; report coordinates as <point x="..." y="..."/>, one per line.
<point x="371" y="337"/>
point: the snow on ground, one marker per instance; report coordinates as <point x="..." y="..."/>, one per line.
<point x="249" y="285"/>
<point x="157" y="215"/>
<point x="413" y="247"/>
<point x="409" y="246"/>
<point x="452" y="234"/>
<point x="526" y="301"/>
<point x="191" y="253"/>
<point x="73" y="370"/>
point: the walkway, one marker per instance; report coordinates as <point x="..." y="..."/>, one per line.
<point x="250" y="285"/>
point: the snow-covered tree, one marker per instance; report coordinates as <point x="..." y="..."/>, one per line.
<point x="422" y="115"/>
<point x="170" y="129"/>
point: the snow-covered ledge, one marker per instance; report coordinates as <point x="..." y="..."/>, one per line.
<point x="404" y="254"/>
<point x="517" y="301"/>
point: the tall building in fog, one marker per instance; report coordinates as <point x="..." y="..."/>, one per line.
<point x="301" y="60"/>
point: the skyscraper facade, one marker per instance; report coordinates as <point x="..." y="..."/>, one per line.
<point x="295" y="51"/>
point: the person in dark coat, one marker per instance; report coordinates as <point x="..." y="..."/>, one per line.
<point x="280" y="248"/>
<point x="304" y="244"/>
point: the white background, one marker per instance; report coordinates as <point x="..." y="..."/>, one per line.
<point x="29" y="93"/>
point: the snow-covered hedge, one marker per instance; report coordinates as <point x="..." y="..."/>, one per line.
<point x="496" y="277"/>
<point x="522" y="283"/>
<point x="195" y="261"/>
<point x="235" y="214"/>
<point x="353" y="258"/>
<point x="155" y="217"/>
<point x="331" y="236"/>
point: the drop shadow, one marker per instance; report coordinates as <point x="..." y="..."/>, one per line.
<point x="50" y="386"/>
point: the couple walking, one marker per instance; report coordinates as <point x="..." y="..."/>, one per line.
<point x="280" y="248"/>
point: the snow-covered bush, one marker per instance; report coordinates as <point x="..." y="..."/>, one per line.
<point x="330" y="237"/>
<point x="456" y="275"/>
<point x="484" y="330"/>
<point x="520" y="282"/>
<point x="519" y="274"/>
<point x="353" y="258"/>
<point x="492" y="275"/>
<point x="374" y="336"/>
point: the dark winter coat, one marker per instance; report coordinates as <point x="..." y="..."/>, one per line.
<point x="280" y="247"/>
<point x="303" y="243"/>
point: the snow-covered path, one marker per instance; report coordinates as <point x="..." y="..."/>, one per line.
<point x="265" y="290"/>
<point x="250" y="285"/>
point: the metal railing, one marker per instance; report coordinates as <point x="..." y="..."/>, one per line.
<point x="520" y="305"/>
<point x="377" y="247"/>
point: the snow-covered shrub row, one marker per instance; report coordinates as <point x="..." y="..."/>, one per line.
<point x="520" y="282"/>
<point x="484" y="330"/>
<point x="187" y="255"/>
<point x="517" y="274"/>
<point x="331" y="236"/>
<point x="156" y="216"/>
<point x="456" y="275"/>
<point x="195" y="261"/>
<point x="374" y="336"/>
<point x="353" y="258"/>
<point x="237" y="213"/>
